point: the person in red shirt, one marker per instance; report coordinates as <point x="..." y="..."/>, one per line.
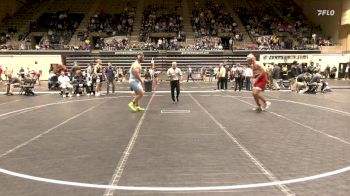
<point x="260" y="80"/>
<point x="36" y="75"/>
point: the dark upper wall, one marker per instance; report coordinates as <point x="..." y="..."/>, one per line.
<point x="329" y="24"/>
<point x="10" y="7"/>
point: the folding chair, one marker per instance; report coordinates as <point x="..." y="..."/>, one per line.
<point x="28" y="86"/>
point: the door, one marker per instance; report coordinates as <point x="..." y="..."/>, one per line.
<point x="341" y="70"/>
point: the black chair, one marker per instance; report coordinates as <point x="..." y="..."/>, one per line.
<point x="27" y="87"/>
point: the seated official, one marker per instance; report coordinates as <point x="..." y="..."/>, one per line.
<point x="12" y="83"/>
<point x="64" y="82"/>
<point x="79" y="82"/>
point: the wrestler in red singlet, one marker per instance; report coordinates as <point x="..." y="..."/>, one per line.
<point x="260" y="79"/>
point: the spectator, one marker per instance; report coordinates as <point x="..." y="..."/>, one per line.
<point x="110" y="74"/>
<point x="12" y="83"/>
<point x="327" y="71"/>
<point x="276" y="76"/>
<point x="189" y="74"/>
<point x="79" y="83"/>
<point x="248" y="73"/>
<point x="74" y="69"/>
<point x="22" y="73"/>
<point x="238" y="73"/>
<point x="333" y="72"/>
<point x="64" y="82"/>
<point x="36" y="75"/>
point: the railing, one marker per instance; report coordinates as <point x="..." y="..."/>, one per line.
<point x="163" y="59"/>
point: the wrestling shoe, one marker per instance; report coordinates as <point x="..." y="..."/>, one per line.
<point x="267" y="105"/>
<point x="132" y="106"/>
<point x="140" y="109"/>
<point x="257" y="109"/>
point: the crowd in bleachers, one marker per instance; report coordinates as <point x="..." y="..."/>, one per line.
<point x="113" y="24"/>
<point x="114" y="44"/>
<point x="278" y="26"/>
<point x="264" y="26"/>
<point x="299" y="27"/>
<point x="212" y="20"/>
<point x="272" y="25"/>
<point x="160" y="19"/>
<point x="59" y="26"/>
<point x="205" y="43"/>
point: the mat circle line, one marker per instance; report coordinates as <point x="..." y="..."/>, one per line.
<point x="143" y="188"/>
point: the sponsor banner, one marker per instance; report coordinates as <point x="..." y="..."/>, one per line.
<point x="129" y="52"/>
<point x="323" y="59"/>
<point x="204" y="52"/>
<point x="285" y="58"/>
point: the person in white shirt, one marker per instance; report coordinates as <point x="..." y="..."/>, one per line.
<point x="248" y="73"/>
<point x="175" y="76"/>
<point x="64" y="82"/>
<point x="216" y="69"/>
<point x="152" y="72"/>
<point x="189" y="75"/>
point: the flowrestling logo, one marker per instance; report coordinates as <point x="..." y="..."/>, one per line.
<point x="325" y="12"/>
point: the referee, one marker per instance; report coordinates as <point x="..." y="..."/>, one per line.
<point x="175" y="76"/>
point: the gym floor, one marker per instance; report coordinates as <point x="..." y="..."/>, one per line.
<point x="210" y="143"/>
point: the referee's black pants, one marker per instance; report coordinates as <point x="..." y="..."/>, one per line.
<point x="221" y="83"/>
<point x="175" y="84"/>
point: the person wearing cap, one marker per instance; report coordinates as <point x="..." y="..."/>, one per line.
<point x="260" y="80"/>
<point x="175" y="75"/>
<point x="135" y="83"/>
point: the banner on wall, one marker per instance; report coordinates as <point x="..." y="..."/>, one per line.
<point x="285" y="58"/>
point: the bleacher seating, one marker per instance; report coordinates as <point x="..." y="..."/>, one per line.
<point x="274" y="24"/>
<point x="162" y="62"/>
<point x="165" y="19"/>
<point x="59" y="26"/>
